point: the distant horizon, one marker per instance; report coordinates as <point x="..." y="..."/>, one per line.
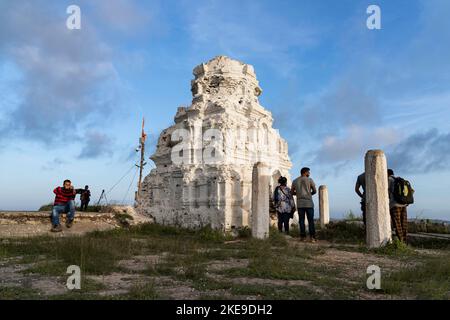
<point x="333" y="214"/>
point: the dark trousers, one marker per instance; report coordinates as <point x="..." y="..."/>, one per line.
<point x="84" y="205"/>
<point x="283" y="220"/>
<point x="309" y="212"/>
<point x="69" y="208"/>
<point x="399" y="218"/>
<point x="363" y="210"/>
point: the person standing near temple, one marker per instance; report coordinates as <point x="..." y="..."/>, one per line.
<point x="401" y="194"/>
<point x="85" y="198"/>
<point x="284" y="204"/>
<point x="304" y="187"/>
<point x="361" y="183"/>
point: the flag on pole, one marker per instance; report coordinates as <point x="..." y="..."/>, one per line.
<point x="143" y="135"/>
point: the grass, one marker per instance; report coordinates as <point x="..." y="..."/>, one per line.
<point x="428" y="226"/>
<point x="17" y="293"/>
<point x="396" y="248"/>
<point x="143" y="291"/>
<point x="430" y="280"/>
<point x="353" y="233"/>
<point x="89" y="291"/>
<point x="275" y="292"/>
<point x="95" y="253"/>
<point x="123" y="219"/>
<point x="430" y="243"/>
<point x="245" y="233"/>
<point x="350" y="216"/>
<point x="343" y="232"/>
<point x="187" y="254"/>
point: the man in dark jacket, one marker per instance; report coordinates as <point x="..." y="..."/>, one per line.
<point x="85" y="198"/>
<point x="361" y="183"/>
<point x="64" y="202"/>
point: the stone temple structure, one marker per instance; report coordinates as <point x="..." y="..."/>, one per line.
<point x="204" y="162"/>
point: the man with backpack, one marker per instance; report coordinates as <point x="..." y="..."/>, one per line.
<point x="400" y="196"/>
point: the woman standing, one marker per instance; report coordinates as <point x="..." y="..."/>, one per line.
<point x="284" y="204"/>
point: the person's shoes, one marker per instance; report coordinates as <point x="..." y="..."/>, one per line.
<point x="69" y="223"/>
<point x="313" y="239"/>
<point x="56" y="228"/>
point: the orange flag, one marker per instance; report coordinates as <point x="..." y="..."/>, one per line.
<point x="144" y="136"/>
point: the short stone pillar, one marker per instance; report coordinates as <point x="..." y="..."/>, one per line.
<point x="324" y="208"/>
<point x="260" y="201"/>
<point x="378" y="218"/>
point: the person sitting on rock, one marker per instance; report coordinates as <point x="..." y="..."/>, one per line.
<point x="64" y="202"/>
<point x="284" y="204"/>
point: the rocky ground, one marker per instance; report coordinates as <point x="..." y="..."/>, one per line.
<point x="37" y="223"/>
<point x="155" y="262"/>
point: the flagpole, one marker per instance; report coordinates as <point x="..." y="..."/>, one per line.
<point x="141" y="165"/>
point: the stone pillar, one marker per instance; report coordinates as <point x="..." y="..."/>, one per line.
<point x="324" y="208"/>
<point x="260" y="201"/>
<point x="378" y="218"/>
<point x="246" y="203"/>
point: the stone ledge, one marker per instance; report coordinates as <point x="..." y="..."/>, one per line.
<point x="13" y="217"/>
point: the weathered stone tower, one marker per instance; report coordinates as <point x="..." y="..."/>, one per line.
<point x="204" y="161"/>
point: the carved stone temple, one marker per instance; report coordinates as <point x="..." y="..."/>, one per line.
<point x="204" y="161"/>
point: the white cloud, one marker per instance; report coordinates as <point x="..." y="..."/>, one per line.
<point x="354" y="142"/>
<point x="96" y="144"/>
<point x="247" y="30"/>
<point x="67" y="76"/>
<point x="422" y="152"/>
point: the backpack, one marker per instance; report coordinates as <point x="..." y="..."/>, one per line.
<point x="291" y="202"/>
<point x="403" y="192"/>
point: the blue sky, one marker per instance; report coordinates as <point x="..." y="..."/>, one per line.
<point x="71" y="101"/>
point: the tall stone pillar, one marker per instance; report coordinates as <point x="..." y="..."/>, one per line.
<point x="324" y="208"/>
<point x="260" y="201"/>
<point x="378" y="219"/>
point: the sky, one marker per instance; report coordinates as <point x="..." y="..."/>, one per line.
<point x="71" y="101"/>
